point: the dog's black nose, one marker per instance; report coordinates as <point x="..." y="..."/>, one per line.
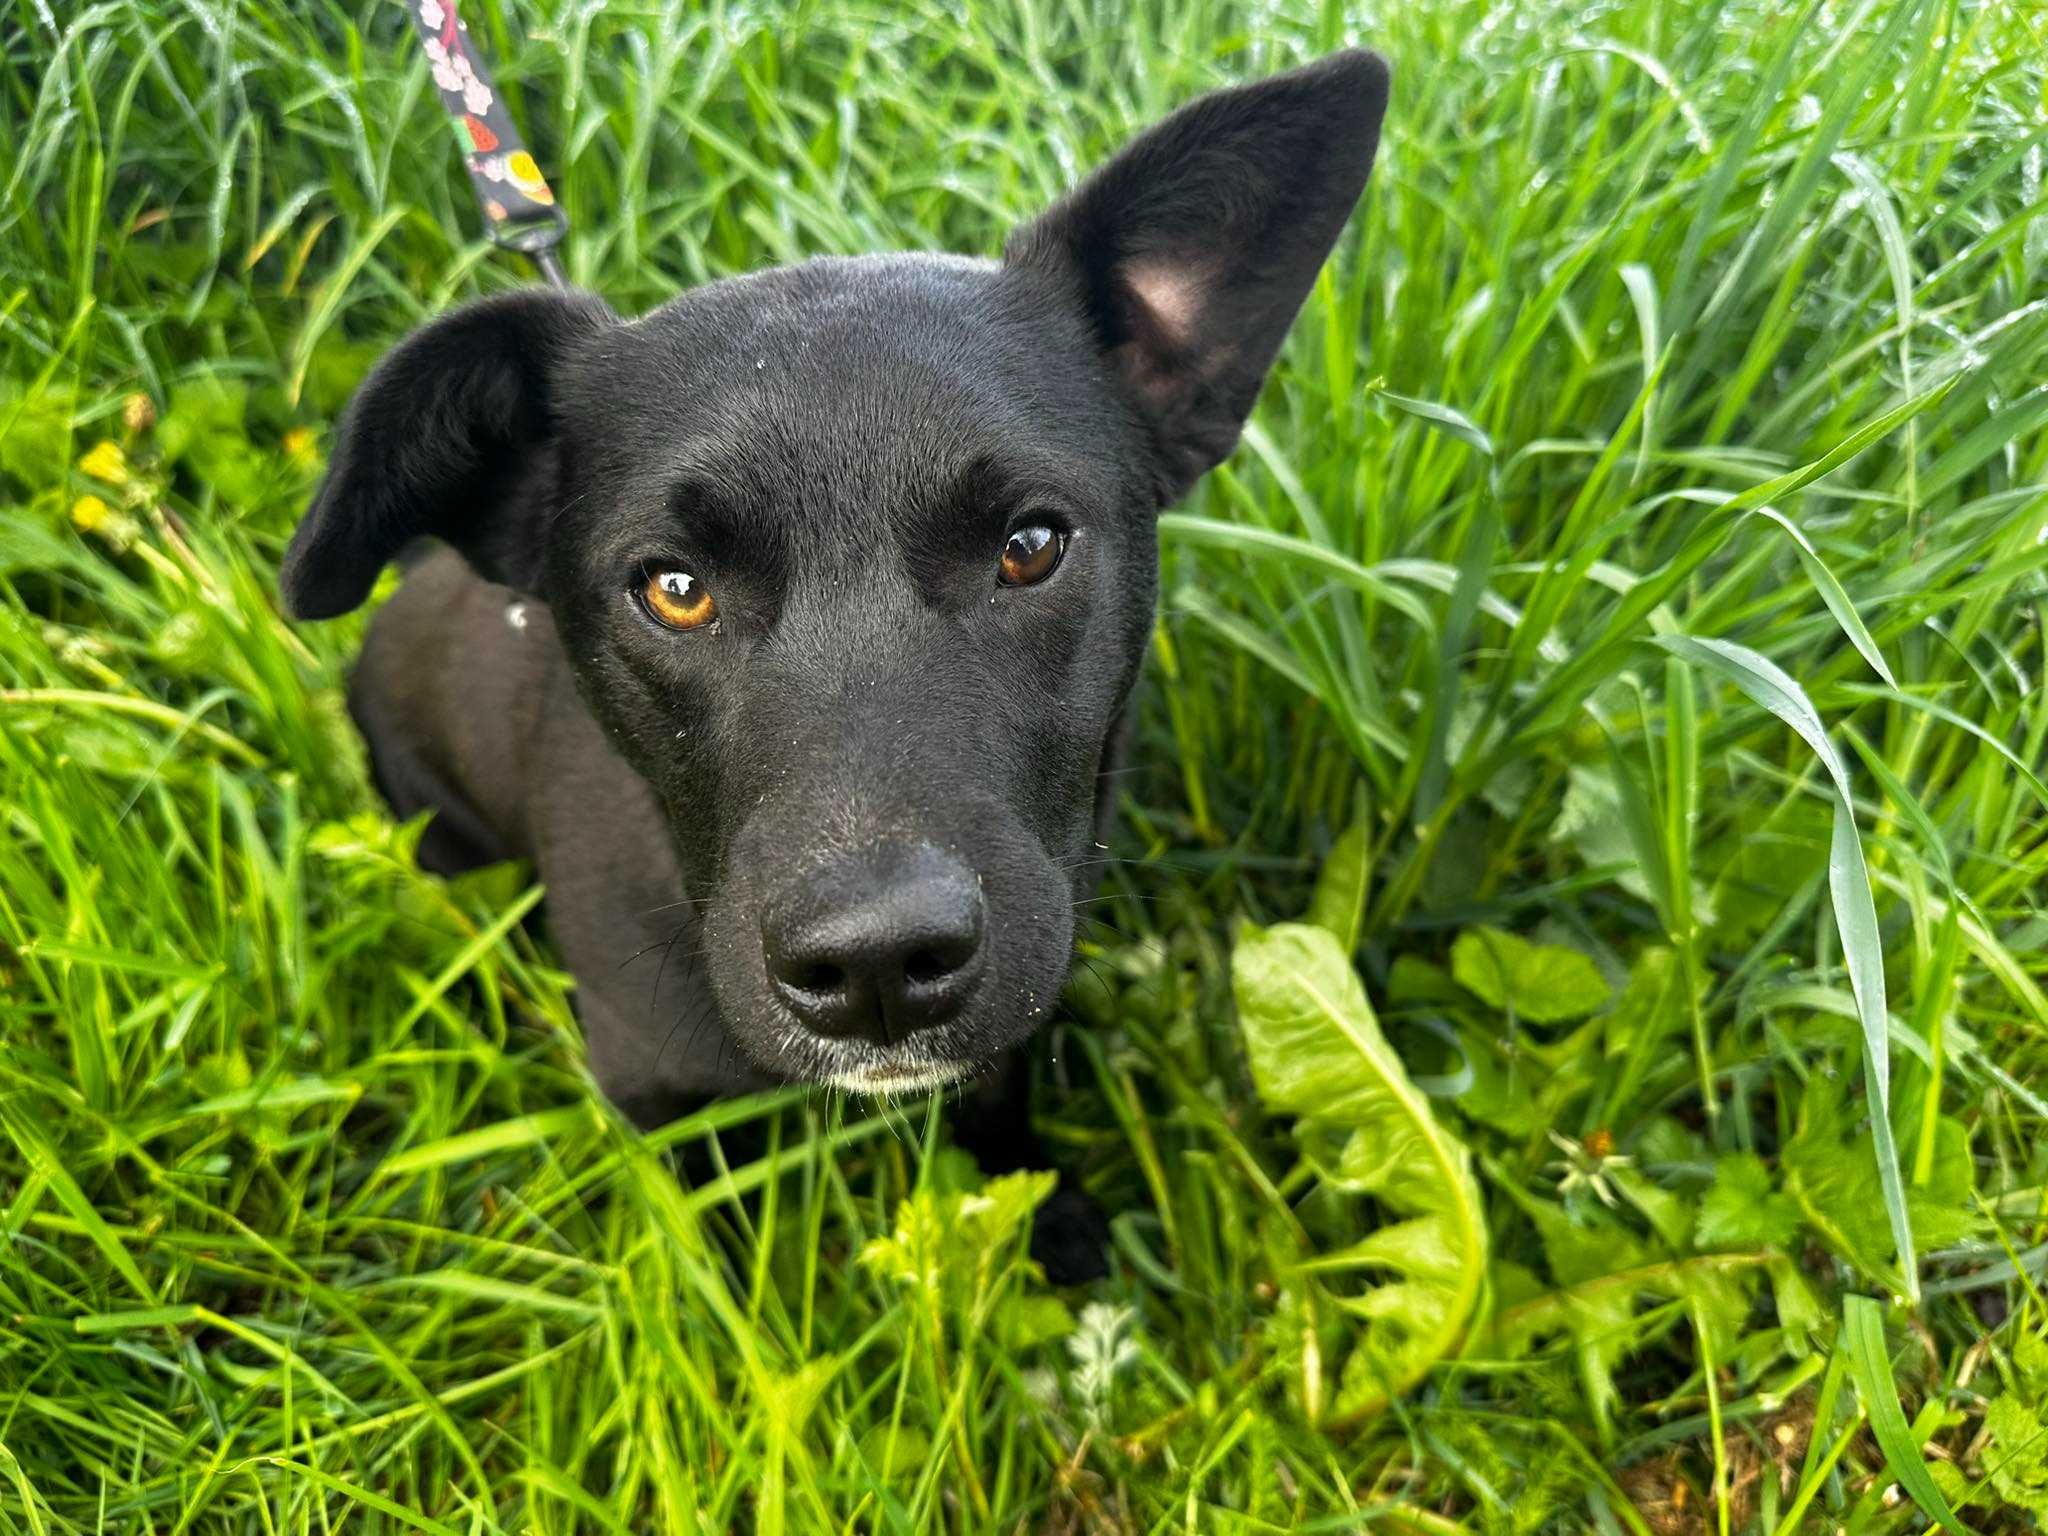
<point x="878" y="944"/>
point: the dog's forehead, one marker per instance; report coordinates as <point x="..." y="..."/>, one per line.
<point x="800" y="312"/>
<point x="863" y="370"/>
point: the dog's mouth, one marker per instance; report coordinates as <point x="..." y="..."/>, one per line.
<point x="860" y="1066"/>
<point x="881" y="1082"/>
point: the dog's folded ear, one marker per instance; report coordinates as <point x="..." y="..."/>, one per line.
<point x="444" y="438"/>
<point x="1191" y="251"/>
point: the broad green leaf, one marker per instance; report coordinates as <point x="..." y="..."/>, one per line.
<point x="1592" y="819"/>
<point x="1743" y="1209"/>
<point x="1000" y="1211"/>
<point x="1022" y="1322"/>
<point x="1801" y="1313"/>
<point x="896" y="1451"/>
<point x="1339" y="900"/>
<point x="1543" y="983"/>
<point x="947" y="1244"/>
<point x="1317" y="1052"/>
<point x="1944" y="1207"/>
<point x="1604" y="1273"/>
<point x="1590" y="1305"/>
<point x="2017" y="1456"/>
<point x="1528" y="1087"/>
<point x="1669" y="1214"/>
<point x="1831" y="1179"/>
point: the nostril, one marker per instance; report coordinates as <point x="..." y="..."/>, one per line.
<point x="821" y="977"/>
<point x="922" y="967"/>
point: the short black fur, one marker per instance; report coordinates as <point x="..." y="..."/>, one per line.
<point x="839" y="832"/>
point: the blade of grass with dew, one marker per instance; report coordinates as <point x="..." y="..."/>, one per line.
<point x="1855" y="908"/>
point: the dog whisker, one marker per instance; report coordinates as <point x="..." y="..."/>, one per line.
<point x="670" y="906"/>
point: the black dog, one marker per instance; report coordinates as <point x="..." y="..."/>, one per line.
<point x="787" y="629"/>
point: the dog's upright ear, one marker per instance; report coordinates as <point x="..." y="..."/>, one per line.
<point x="1191" y="251"/>
<point x="440" y="439"/>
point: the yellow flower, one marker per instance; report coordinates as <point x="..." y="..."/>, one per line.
<point x="106" y="462"/>
<point x="298" y="443"/>
<point x="89" y="514"/>
<point x="138" y="413"/>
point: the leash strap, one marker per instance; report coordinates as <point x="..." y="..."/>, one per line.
<point x="519" y="207"/>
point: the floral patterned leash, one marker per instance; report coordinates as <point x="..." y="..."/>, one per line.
<point x="519" y="207"/>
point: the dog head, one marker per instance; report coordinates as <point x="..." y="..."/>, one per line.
<point x="855" y="561"/>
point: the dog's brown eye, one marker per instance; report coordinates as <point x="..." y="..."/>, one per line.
<point x="678" y="599"/>
<point x="1030" y="555"/>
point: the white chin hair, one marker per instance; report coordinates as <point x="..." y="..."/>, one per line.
<point x="879" y="1079"/>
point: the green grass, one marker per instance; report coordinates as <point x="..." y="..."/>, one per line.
<point x="1675" y="397"/>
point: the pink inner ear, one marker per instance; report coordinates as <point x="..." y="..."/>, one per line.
<point x="1171" y="294"/>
